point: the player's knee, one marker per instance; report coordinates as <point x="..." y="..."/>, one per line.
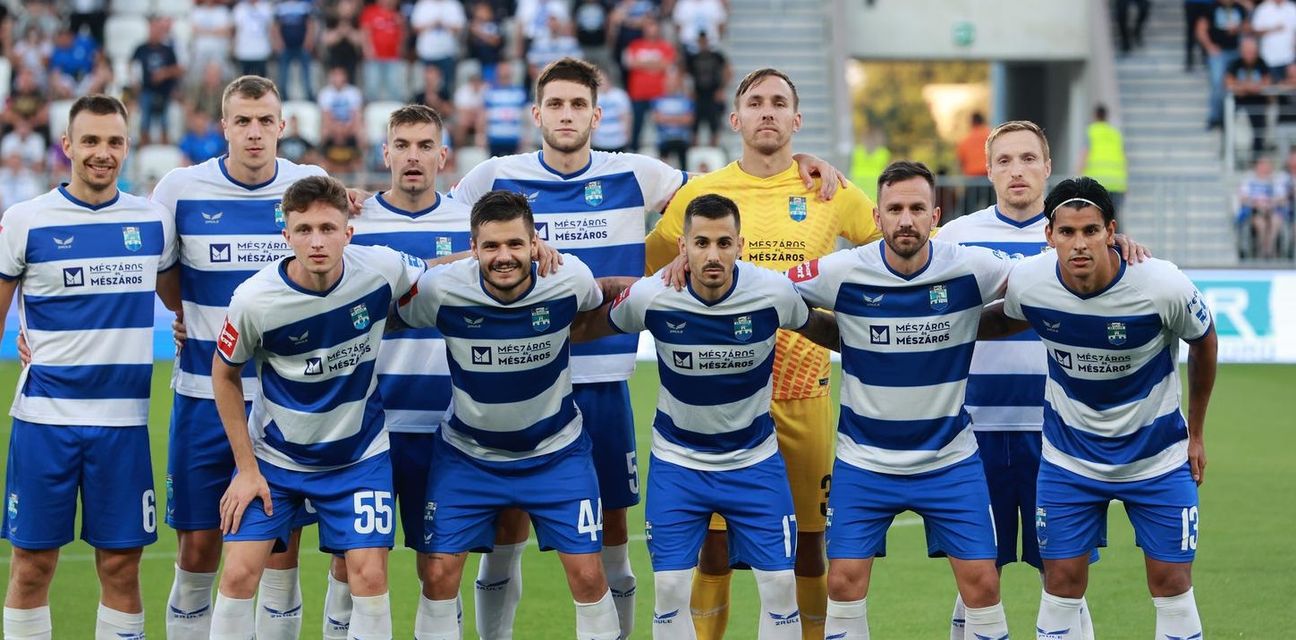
<point x="200" y="551"/>
<point x="587" y="581"/>
<point x="119" y="569"/>
<point x="615" y="529"/>
<point x="32" y="570"/>
<point x="1169" y="580"/>
<point x="980" y="586"/>
<point x="239" y="579"/>
<point x="1066" y="579"/>
<point x="367" y="578"/>
<point x="847" y="585"/>
<point x="338" y="568"/>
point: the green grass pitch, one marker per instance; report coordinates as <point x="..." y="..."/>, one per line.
<point x="1245" y="574"/>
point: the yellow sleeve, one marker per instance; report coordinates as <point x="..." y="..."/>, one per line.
<point x="662" y="245"/>
<point x="856" y="211"/>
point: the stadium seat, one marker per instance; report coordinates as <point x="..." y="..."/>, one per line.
<point x="58" y="118"/>
<point x="705" y="159"/>
<point x="6" y="75"/>
<point x="308" y="118"/>
<point x="468" y="157"/>
<point x="375" y="120"/>
<point x="132" y="7"/>
<point x="169" y="7"/>
<point x="181" y="35"/>
<point x="154" y="161"/>
<point x="123" y="34"/>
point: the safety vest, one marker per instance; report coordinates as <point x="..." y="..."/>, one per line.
<point x="866" y="166"/>
<point x="1106" y="162"/>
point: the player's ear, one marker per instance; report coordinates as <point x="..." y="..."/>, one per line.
<point x="936" y="216"/>
<point x="733" y="122"/>
<point x="682" y="243"/>
<point x="442" y="154"/>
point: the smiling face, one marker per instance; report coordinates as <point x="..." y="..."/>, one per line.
<point x="96" y="145"/>
<point x="414" y="154"/>
<point x="566" y="114"/>
<point x="503" y="251"/>
<point x="766" y="115"/>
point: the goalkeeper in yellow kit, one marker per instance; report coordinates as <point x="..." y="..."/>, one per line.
<point x="785" y="224"/>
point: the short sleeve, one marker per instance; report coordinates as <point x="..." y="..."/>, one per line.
<point x="170" y="244"/>
<point x="588" y="293"/>
<point x="420" y="306"/>
<point x="815" y="285"/>
<point x="406" y="269"/>
<point x="855" y="210"/>
<point x="992" y="269"/>
<point x="1012" y="306"/>
<point x="167" y="191"/>
<point x="13" y="247"/>
<point x="662" y="245"/>
<point x="658" y="180"/>
<point x="1185" y="311"/>
<point x="629" y="309"/>
<point x="475" y="184"/>
<point x="793" y="311"/>
<point x="239" y="335"/>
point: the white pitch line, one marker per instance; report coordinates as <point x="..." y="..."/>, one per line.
<point x="170" y="555"/>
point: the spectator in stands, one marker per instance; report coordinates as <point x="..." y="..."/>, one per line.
<point x="294" y="39"/>
<point x="99" y="80"/>
<point x="41" y="14"/>
<point x="33" y="52"/>
<point x="1130" y="37"/>
<point x="532" y="18"/>
<point x="625" y="25"/>
<point x="343" y="41"/>
<point x="1263" y="200"/>
<point x="384" y="30"/>
<point x="91" y="14"/>
<point x="1274" y="22"/>
<point x="340" y="152"/>
<point x="673" y="114"/>
<point x="469" y="102"/>
<point x="6" y="30"/>
<point x="18" y="182"/>
<point x="649" y="59"/>
<point x="207" y="95"/>
<point x="1194" y="11"/>
<point x="293" y="146"/>
<point x="27" y="103"/>
<point x="341" y="106"/>
<point x="202" y="139"/>
<point x="25" y="143"/>
<point x="253" y="24"/>
<point x="73" y="56"/>
<point x="212" y="25"/>
<point x="613" y="132"/>
<point x="505" y="104"/>
<point x="159" y="73"/>
<point x="1218" y="32"/>
<point x="485" y="39"/>
<point x="439" y="24"/>
<point x="591" y="21"/>
<point x="431" y="95"/>
<point x="695" y="17"/>
<point x="971" y="149"/>
<point x="1104" y="157"/>
<point x="554" y="43"/>
<point x="711" y="74"/>
<point x="1247" y="79"/>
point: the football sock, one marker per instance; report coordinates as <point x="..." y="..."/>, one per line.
<point x="780" y="619"/>
<point x="437" y="620"/>
<point x="621" y="581"/>
<point x="671" y="619"/>
<point x="710" y="605"/>
<point x="597" y="620"/>
<point x="189" y="609"/>
<point x="233" y="619"/>
<point x="1058" y="617"/>
<point x="112" y="624"/>
<point x="1086" y="621"/>
<point x="1176" y="616"/>
<point x="337" y="609"/>
<point x="958" y="619"/>
<point x="987" y="622"/>
<point x="279" y="605"/>
<point x="847" y="620"/>
<point x="812" y="599"/>
<point x="371" y="617"/>
<point x="28" y="624"/>
<point x="498" y="591"/>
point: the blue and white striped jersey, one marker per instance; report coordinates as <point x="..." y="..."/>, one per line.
<point x="506" y="109"/>
<point x="1005" y="390"/>
<point x="1111" y="404"/>
<point x="511" y="396"/>
<point x="906" y="347"/>
<point x="715" y="361"/>
<point x="596" y="214"/>
<point x="318" y="406"/>
<point x="413" y="375"/>
<point x="228" y="231"/>
<point x="87" y="276"/>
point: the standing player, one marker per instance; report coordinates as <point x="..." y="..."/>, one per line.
<point x="785" y="226"/>
<point x="1113" y="427"/>
<point x="413" y="375"/>
<point x="229" y="222"/>
<point x="714" y="449"/>
<point x="85" y="259"/>
<point x="313" y="323"/>
<point x="513" y="437"/>
<point x="908" y="311"/>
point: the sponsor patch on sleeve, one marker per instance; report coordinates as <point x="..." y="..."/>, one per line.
<point x="228" y="340"/>
<point x="804" y="271"/>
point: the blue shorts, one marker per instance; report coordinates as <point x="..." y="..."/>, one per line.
<point x="559" y="491"/>
<point x="609" y="421"/>
<point x="354" y="504"/>
<point x="109" y="466"/>
<point x="953" y="502"/>
<point x="200" y="465"/>
<point x="755" y="502"/>
<point x="1071" y="517"/>
<point x="411" y="460"/>
<point x="1011" y="460"/>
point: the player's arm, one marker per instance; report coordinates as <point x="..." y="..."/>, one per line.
<point x="248" y="484"/>
<point x="821" y="329"/>
<point x="593" y="324"/>
<point x="168" y="290"/>
<point x="1202" y="355"/>
<point x="7" y="289"/>
<point x="812" y="166"/>
<point x="996" y="324"/>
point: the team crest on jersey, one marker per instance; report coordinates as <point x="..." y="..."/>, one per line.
<point x="1041" y="526"/>
<point x="1116" y="333"/>
<point x="938" y="296"/>
<point x="360" y="316"/>
<point x="443" y="246"/>
<point x="540" y="318"/>
<point x="13" y="506"/>
<point x="429" y="511"/>
<point x="797" y="208"/>
<point x="743" y="328"/>
<point x="594" y="193"/>
<point x="279" y="215"/>
<point x="131" y="238"/>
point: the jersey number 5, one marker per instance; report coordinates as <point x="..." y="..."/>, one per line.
<point x="373" y="512"/>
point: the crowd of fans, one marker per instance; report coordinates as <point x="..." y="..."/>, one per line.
<point x="471" y="60"/>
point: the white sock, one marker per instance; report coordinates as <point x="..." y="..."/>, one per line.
<point x="112" y="624"/>
<point x="987" y="622"/>
<point x="279" y="605"/>
<point x="371" y="617"/>
<point x="1059" y="618"/>
<point x="28" y="624"/>
<point x="337" y="609"/>
<point x="189" y="609"/>
<point x="597" y="620"/>
<point x="1086" y="621"/>
<point x="498" y="591"/>
<point x="1177" y="616"/>
<point x="958" y="619"/>
<point x="780" y="619"/>
<point x="438" y="620"/>
<point x="233" y="619"/>
<point x="671" y="618"/>
<point x="621" y="581"/>
<point x="847" y="620"/>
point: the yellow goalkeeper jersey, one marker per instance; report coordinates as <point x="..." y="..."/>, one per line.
<point x="784" y="224"/>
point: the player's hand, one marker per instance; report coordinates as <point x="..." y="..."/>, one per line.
<point x="676" y="273"/>
<point x="547" y="258"/>
<point x="24" y="351"/>
<point x="356" y="198"/>
<point x="1197" y="460"/>
<point x="1131" y="251"/>
<point x="811" y="167"/>
<point x="243" y="489"/>
<point x="178" y="332"/>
